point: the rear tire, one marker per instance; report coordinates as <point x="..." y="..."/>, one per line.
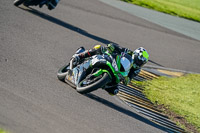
<point x="94" y="86"/>
<point x="62" y="72"/>
<point x="18" y="2"/>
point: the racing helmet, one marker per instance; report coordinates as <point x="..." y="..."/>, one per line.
<point x="140" y="57"/>
<point x="125" y="64"/>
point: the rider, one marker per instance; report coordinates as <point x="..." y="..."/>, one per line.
<point x="51" y="4"/>
<point x="139" y="56"/>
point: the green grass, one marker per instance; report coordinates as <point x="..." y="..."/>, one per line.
<point x="189" y="9"/>
<point x="181" y="95"/>
<point x="2" y="131"/>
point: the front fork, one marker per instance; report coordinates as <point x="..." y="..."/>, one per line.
<point x="71" y="64"/>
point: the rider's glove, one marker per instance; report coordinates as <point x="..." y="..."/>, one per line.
<point x="126" y="80"/>
<point x="130" y="52"/>
<point x="110" y="48"/>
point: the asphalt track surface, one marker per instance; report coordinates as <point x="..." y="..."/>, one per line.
<point x="35" y="43"/>
<point x="180" y="25"/>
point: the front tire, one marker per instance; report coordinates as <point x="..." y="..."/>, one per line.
<point x="62" y="72"/>
<point x="94" y="86"/>
<point x="18" y="2"/>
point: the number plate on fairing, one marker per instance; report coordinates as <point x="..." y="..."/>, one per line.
<point x="114" y="64"/>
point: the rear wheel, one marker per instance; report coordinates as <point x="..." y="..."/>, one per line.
<point x="18" y="2"/>
<point x="90" y="84"/>
<point x="62" y="72"/>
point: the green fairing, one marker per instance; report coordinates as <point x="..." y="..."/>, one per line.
<point x="114" y="72"/>
<point x="107" y="52"/>
<point x="100" y="71"/>
<point x="118" y="61"/>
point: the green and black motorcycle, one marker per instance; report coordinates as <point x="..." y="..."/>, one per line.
<point x="98" y="71"/>
<point x="51" y="4"/>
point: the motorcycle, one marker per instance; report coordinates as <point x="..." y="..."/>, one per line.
<point x="99" y="71"/>
<point x="51" y="4"/>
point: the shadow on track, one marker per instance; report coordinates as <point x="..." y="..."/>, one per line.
<point x="125" y="111"/>
<point x="72" y="27"/>
<point x="66" y="25"/>
<point x="156" y="63"/>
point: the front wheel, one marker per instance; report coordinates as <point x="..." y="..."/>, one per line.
<point x="62" y="72"/>
<point x="18" y="2"/>
<point x="87" y="85"/>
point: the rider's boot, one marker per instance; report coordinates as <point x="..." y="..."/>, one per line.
<point x="112" y="90"/>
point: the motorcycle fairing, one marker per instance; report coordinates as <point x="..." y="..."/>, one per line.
<point x="78" y="73"/>
<point x="109" y="61"/>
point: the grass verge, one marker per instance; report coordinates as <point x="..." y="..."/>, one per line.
<point x="180" y="95"/>
<point x="2" y="131"/>
<point x="189" y="9"/>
